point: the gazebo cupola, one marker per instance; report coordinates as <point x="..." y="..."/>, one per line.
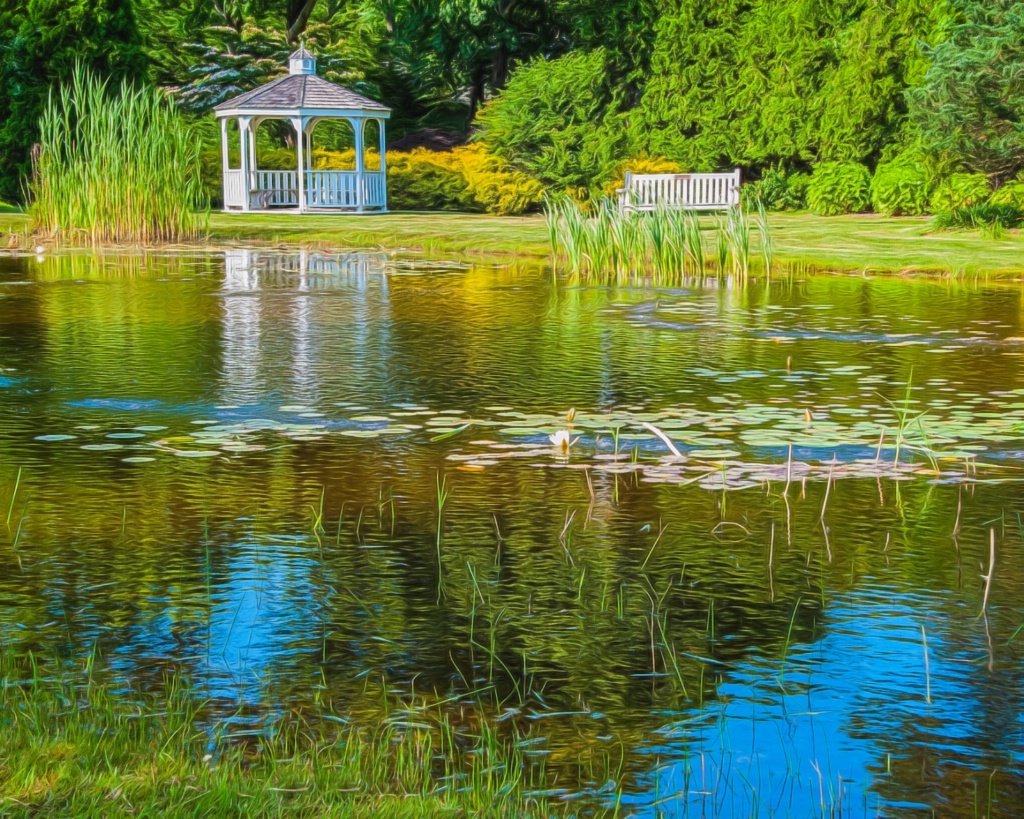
<point x="303" y="99"/>
<point x="302" y="62"/>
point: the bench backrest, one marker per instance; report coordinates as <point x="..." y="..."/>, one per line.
<point x="697" y="191"/>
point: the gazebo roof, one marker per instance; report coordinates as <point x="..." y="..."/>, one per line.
<point x="301" y="91"/>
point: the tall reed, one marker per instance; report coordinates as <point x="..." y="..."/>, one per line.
<point x="767" y="244"/>
<point x="115" y="166"/>
<point x="660" y="245"/>
<point x="737" y="238"/>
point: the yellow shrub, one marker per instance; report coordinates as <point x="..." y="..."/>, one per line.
<point x="427" y="180"/>
<point x="639" y="165"/>
<point x="324" y="160"/>
<point x="466" y="178"/>
<point x="496" y="187"/>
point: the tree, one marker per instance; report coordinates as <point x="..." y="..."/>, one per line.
<point x="558" y="121"/>
<point x="41" y="42"/>
<point x="970" y="107"/>
<point x="788" y="83"/>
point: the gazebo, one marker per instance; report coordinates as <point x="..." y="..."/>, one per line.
<point x="304" y="99"/>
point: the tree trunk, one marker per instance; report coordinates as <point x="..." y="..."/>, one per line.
<point x="499" y="68"/>
<point x="298" y="17"/>
<point x="476" y="95"/>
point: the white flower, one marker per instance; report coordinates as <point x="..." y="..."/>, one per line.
<point x="562" y="441"/>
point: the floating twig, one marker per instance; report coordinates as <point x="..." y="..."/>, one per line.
<point x="664" y="437"/>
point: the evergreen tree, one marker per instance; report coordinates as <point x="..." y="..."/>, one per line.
<point x="970" y="107"/>
<point x="782" y="82"/>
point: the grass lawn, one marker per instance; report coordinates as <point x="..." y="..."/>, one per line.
<point x="860" y="242"/>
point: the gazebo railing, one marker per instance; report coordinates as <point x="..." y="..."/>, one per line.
<point x="234" y="189"/>
<point x="324" y="189"/>
<point x="340" y="189"/>
<point x="277" y="187"/>
<point x="331" y="189"/>
<point x="376" y="190"/>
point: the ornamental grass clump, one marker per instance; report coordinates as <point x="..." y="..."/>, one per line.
<point x="658" y="246"/>
<point x="115" y="166"/>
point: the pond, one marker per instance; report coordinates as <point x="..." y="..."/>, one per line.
<point x="292" y="478"/>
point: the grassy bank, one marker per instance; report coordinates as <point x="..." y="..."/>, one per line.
<point x="861" y="243"/>
<point x="70" y="746"/>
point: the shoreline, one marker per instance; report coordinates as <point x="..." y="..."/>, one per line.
<point x="865" y="244"/>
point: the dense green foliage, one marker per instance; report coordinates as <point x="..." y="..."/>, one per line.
<point x="41" y="42"/>
<point x="778" y="190"/>
<point x="781" y="81"/>
<point x="982" y="215"/>
<point x="839" y="187"/>
<point x="970" y="107"/>
<point x="556" y="121"/>
<point x="901" y="187"/>
<point x="960" y="190"/>
<point x="569" y="92"/>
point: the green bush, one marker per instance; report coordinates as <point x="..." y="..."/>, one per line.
<point x="900" y="188"/>
<point x="981" y="215"/>
<point x="778" y="190"/>
<point x="839" y="187"/>
<point x="1012" y="193"/>
<point x="556" y="121"/>
<point x="959" y="191"/>
<point x="421" y="180"/>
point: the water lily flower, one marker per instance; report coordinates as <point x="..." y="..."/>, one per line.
<point x="562" y="441"/>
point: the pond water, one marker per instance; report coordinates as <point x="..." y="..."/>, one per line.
<point x="300" y="477"/>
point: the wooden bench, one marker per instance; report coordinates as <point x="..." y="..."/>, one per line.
<point x="688" y="191"/>
<point x="260" y="199"/>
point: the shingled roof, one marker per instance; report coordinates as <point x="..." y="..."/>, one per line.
<point x="301" y="91"/>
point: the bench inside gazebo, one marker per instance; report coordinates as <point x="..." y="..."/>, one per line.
<point x="303" y="99"/>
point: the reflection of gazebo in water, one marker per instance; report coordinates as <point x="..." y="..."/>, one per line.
<point x="302" y="270"/>
<point x="303" y="99"/>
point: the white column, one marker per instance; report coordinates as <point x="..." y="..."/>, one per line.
<point x="299" y="124"/>
<point x="252" y="149"/>
<point x="225" y="167"/>
<point x="383" y="168"/>
<point x="308" y="128"/>
<point x="243" y="139"/>
<point x="357" y="127"/>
